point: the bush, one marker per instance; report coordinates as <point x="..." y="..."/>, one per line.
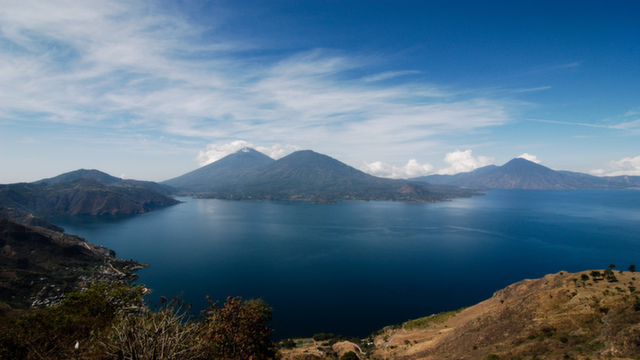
<point x="238" y="330"/>
<point x="109" y="321"/>
<point x="323" y="337"/>
<point x="287" y="344"/>
<point x="349" y="356"/>
<point x="164" y="334"/>
<point x="425" y="322"/>
<point x="83" y="318"/>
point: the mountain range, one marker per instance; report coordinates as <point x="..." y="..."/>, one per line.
<point x="524" y="174"/>
<point x="302" y="175"/>
<point x="79" y="192"/>
<point x="251" y="175"/>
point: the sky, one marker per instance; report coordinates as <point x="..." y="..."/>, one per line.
<point x="150" y="90"/>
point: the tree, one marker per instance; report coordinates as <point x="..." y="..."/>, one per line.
<point x="612" y="266"/>
<point x="611" y="277"/>
<point x="238" y="330"/>
<point x="287" y="344"/>
<point x="83" y="318"/>
<point x="323" y="336"/>
<point x="632" y="267"/>
<point x="349" y="356"/>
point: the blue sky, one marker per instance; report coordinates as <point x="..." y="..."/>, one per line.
<point x="153" y="89"/>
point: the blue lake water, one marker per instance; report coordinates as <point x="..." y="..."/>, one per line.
<point x="354" y="267"/>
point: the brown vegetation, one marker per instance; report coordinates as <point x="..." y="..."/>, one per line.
<point x="587" y="315"/>
<point x="109" y="321"/>
<point x="559" y="316"/>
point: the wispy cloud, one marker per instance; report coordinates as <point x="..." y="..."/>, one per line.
<point x="540" y="88"/>
<point x="389" y="75"/>
<point x="126" y="66"/>
<point x="627" y="125"/>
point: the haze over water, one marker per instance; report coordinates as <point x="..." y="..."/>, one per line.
<point x="354" y="267"/>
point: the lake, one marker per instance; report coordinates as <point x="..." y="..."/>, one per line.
<point x="354" y="267"/>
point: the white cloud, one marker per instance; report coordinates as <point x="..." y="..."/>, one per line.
<point x="215" y="152"/>
<point x="628" y="125"/>
<point x="412" y="169"/>
<point x="530" y="157"/>
<point x="464" y="161"/>
<point x="278" y="151"/>
<point x="627" y="166"/>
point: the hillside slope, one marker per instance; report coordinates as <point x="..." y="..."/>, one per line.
<point x="555" y="317"/>
<point x="228" y="170"/>
<point x="560" y="316"/>
<point x="72" y="194"/>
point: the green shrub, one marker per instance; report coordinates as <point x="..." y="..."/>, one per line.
<point x="323" y="336"/>
<point x="287" y="344"/>
<point x="430" y="320"/>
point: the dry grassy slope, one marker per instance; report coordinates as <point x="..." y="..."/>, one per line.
<point x="555" y="317"/>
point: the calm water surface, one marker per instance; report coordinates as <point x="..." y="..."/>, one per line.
<point x="354" y="267"/>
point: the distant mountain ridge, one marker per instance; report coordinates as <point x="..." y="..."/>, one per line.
<point x="524" y="174"/>
<point x="106" y="179"/>
<point x="80" y="192"/>
<point x="302" y="175"/>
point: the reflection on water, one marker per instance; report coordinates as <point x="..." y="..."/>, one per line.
<point x="354" y="267"/>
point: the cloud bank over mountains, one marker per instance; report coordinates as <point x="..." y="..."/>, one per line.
<point x="626" y="166"/>
<point x="140" y="86"/>
<point x="458" y="161"/>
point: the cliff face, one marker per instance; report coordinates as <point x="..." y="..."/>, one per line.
<point x="558" y="316"/>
